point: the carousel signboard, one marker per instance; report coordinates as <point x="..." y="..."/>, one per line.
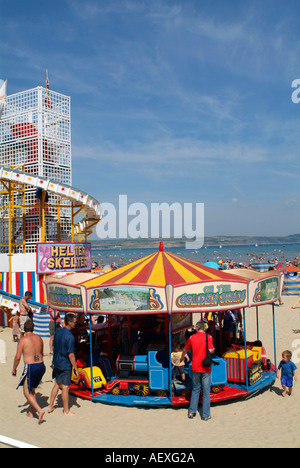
<point x="212" y="296"/>
<point x="65" y="298"/>
<point x="63" y="292"/>
<point x="124" y="299"/>
<point x="265" y="290"/>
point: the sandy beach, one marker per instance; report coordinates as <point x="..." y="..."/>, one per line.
<point x="266" y="420"/>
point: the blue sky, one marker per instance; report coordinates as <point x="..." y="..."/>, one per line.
<point x="172" y="101"/>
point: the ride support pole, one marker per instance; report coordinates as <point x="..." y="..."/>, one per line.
<point x="257" y="323"/>
<point x="245" y="344"/>
<point x="170" y="359"/>
<point x="274" y="335"/>
<point x="91" y="357"/>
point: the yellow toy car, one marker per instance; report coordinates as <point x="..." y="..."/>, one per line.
<point x="85" y="378"/>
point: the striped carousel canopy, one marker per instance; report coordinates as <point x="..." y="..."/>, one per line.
<point x="162" y="282"/>
<point x="159" y="269"/>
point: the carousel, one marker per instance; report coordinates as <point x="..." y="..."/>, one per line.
<point x="130" y="320"/>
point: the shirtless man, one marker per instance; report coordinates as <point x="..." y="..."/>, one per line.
<point x="24" y="310"/>
<point x="31" y="346"/>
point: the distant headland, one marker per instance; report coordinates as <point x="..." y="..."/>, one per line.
<point x="208" y="241"/>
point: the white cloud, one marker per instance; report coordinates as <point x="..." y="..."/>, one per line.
<point x="174" y="150"/>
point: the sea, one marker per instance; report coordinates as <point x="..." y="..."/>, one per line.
<point x="241" y="255"/>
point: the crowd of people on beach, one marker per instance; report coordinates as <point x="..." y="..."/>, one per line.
<point x="224" y="262"/>
<point x="227" y="264"/>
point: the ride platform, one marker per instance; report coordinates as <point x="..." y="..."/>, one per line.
<point x="230" y="391"/>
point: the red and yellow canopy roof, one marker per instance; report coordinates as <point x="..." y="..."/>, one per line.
<point x="148" y="285"/>
<point x="159" y="269"/>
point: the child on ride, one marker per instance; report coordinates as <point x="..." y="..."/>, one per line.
<point x="179" y="366"/>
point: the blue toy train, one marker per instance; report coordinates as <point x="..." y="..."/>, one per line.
<point x="145" y="374"/>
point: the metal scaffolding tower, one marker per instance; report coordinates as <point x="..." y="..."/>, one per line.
<point x="35" y="137"/>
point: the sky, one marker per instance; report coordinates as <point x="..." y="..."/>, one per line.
<point x="186" y="101"/>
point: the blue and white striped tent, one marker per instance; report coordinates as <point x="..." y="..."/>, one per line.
<point x="41" y="323"/>
<point x="291" y="285"/>
<point x="41" y="317"/>
<point x="262" y="267"/>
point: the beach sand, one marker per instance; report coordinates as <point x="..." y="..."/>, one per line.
<point x="266" y="420"/>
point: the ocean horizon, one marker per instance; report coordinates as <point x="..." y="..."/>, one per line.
<point x="240" y="254"/>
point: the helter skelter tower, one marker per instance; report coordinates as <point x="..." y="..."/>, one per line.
<point x="37" y="201"/>
<point x="35" y="137"/>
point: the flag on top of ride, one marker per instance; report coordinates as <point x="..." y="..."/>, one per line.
<point x="47" y="93"/>
<point x="3" y="88"/>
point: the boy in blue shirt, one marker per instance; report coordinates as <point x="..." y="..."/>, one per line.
<point x="288" y="373"/>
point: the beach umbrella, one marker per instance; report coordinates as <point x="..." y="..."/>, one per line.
<point x="290" y="268"/>
<point x="107" y="268"/>
<point x="212" y="265"/>
<point x="98" y="271"/>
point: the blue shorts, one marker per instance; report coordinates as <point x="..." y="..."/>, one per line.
<point x="287" y="382"/>
<point x="34" y="374"/>
<point x="62" y="377"/>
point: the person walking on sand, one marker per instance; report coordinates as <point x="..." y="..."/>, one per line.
<point x="15" y="323"/>
<point x="288" y="373"/>
<point x="25" y="310"/>
<point x="296" y="303"/>
<point x="31" y="346"/>
<point x="63" y="360"/>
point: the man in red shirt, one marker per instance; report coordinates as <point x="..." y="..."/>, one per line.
<point x="201" y="374"/>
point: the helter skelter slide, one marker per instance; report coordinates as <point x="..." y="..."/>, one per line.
<point x="39" y="207"/>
